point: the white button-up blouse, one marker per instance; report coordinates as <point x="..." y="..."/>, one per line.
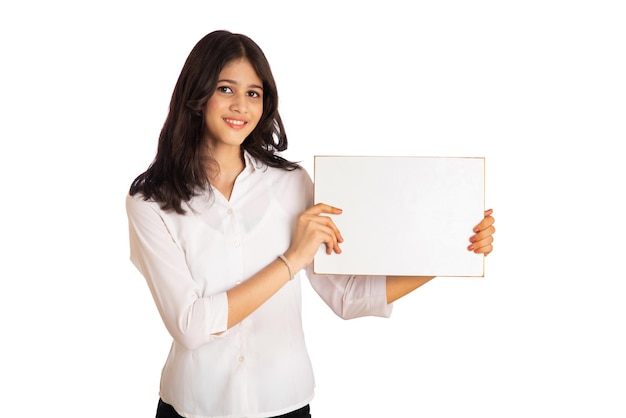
<point x="260" y="367"/>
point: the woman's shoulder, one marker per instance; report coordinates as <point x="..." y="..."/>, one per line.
<point x="138" y="198"/>
<point x="137" y="205"/>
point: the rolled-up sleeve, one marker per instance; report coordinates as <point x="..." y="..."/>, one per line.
<point x="191" y="318"/>
<point x="352" y="296"/>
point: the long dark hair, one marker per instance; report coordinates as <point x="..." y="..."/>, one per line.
<point x="179" y="169"/>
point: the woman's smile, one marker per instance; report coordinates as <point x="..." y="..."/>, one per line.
<point x="235" y="123"/>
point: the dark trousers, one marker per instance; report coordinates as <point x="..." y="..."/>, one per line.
<point x="165" y="410"/>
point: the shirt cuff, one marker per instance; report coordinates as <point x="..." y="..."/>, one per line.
<point x="216" y="308"/>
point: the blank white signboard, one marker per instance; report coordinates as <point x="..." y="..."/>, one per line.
<point x="402" y="215"/>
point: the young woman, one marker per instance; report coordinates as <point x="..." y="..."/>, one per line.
<point x="220" y="225"/>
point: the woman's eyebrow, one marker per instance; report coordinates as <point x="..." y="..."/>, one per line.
<point x="226" y="80"/>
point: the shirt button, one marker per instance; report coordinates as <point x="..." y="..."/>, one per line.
<point x="241" y="359"/>
<point x="229" y="211"/>
<point x="236" y="243"/>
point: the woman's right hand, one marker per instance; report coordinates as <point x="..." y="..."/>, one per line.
<point x="312" y="230"/>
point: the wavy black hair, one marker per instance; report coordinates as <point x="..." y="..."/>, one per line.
<point x="179" y="169"/>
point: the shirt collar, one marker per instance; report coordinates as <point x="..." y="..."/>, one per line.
<point x="203" y="197"/>
<point x="251" y="164"/>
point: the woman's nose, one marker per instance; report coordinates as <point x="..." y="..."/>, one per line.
<point x="239" y="104"/>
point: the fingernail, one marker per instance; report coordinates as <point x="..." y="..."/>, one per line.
<point x="476" y="229"/>
<point x="470" y="248"/>
<point x="473" y="239"/>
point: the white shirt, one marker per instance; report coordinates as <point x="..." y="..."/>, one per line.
<point x="260" y="367"/>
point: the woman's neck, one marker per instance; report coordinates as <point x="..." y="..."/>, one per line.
<point x="230" y="164"/>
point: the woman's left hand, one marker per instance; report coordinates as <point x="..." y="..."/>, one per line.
<point x="482" y="240"/>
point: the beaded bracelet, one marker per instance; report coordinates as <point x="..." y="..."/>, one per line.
<point x="282" y="257"/>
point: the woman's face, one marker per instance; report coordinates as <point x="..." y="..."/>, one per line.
<point x="236" y="106"/>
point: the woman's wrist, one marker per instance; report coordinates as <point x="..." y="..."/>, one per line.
<point x="288" y="265"/>
<point x="294" y="261"/>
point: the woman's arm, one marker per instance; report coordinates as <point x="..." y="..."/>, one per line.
<point x="312" y="230"/>
<point x="249" y="295"/>
<point x="190" y="318"/>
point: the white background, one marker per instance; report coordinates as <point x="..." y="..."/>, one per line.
<point x="536" y="87"/>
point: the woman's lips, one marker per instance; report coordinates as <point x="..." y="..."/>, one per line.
<point x="235" y="123"/>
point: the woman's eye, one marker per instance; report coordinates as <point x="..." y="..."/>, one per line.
<point x="254" y="94"/>
<point x="224" y="89"/>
